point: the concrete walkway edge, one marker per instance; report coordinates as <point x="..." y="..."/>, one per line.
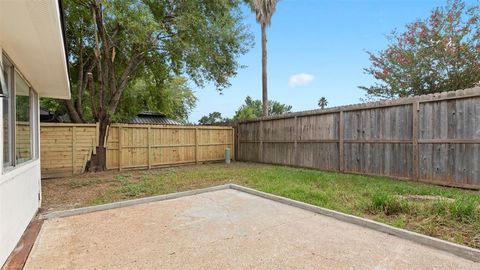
<point x="456" y="249"/>
<point x="108" y="206"/>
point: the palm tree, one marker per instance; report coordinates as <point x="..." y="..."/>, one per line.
<point x="322" y="102"/>
<point x="264" y="10"/>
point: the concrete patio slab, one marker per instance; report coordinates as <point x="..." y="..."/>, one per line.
<point x="224" y="229"/>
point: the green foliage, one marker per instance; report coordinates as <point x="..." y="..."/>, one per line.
<point x="464" y="210"/>
<point x="53" y="105"/>
<point x="172" y="97"/>
<point x="437" y="54"/>
<point x="322" y="102"/>
<point x="439" y="208"/>
<point x="22" y="108"/>
<point x="213" y="118"/>
<point x="253" y="109"/>
<point x="388" y="204"/>
<point x="141" y="52"/>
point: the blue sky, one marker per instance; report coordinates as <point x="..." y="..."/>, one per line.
<point x="326" y="40"/>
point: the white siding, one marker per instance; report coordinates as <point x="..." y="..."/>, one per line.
<point x="19" y="197"/>
<point x="19" y="191"/>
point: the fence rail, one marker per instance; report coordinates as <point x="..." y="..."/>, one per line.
<point x="66" y="148"/>
<point x="147" y="146"/>
<point x="431" y="138"/>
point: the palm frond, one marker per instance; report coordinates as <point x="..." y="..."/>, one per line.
<point x="264" y="10"/>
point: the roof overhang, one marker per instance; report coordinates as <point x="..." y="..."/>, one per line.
<point x="31" y="34"/>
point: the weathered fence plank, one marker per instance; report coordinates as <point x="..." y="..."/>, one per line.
<point x="432" y="138"/>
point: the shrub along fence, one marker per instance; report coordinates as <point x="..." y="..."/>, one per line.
<point x="431" y="138"/>
<point x="66" y="148"/>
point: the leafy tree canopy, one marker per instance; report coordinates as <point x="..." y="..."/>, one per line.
<point x="253" y="109"/>
<point x="250" y="110"/>
<point x="322" y="102"/>
<point x="121" y="42"/>
<point x="213" y="118"/>
<point x="116" y="46"/>
<point x="172" y="97"/>
<point x="437" y="54"/>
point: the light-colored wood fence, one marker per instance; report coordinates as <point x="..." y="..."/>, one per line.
<point x="65" y="149"/>
<point x="147" y="146"/>
<point x="432" y="138"/>
<point x="23" y="141"/>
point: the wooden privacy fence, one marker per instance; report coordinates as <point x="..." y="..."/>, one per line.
<point x="432" y="138"/>
<point x="147" y="146"/>
<point x="65" y="149"/>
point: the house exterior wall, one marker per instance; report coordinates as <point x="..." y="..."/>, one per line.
<point x="19" y="202"/>
<point x="31" y="33"/>
<point x="20" y="194"/>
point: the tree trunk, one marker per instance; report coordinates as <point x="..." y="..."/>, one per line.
<point x="264" y="71"/>
<point x="98" y="162"/>
<point x="72" y="112"/>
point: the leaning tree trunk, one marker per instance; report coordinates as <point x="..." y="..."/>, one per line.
<point x="98" y="161"/>
<point x="102" y="150"/>
<point x="264" y="71"/>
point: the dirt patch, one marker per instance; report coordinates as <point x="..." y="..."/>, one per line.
<point x="476" y="241"/>
<point x="67" y="193"/>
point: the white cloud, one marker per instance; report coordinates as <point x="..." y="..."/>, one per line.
<point x="300" y="79"/>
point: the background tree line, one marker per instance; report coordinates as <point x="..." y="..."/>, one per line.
<point x="252" y="108"/>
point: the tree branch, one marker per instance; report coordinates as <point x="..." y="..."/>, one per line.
<point x="72" y="112"/>
<point x="131" y="69"/>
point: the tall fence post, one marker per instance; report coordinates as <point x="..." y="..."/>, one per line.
<point x="415" y="152"/>
<point x="341" y="158"/>
<point x="260" y="151"/>
<point x="149" y="161"/>
<point x="234" y="149"/>
<point x="74" y="142"/>
<point x="237" y="141"/>
<point x="196" y="145"/>
<point x="119" y="148"/>
<point x="295" y="138"/>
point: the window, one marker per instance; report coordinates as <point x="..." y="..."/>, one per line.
<point x="35" y="123"/>
<point x="3" y="83"/>
<point x="20" y="130"/>
<point x="23" y="127"/>
<point x="7" y="116"/>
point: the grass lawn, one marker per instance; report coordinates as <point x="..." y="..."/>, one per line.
<point x="447" y="213"/>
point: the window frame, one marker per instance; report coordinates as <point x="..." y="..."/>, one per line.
<point x="34" y="125"/>
<point x="11" y="107"/>
<point x="3" y="84"/>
